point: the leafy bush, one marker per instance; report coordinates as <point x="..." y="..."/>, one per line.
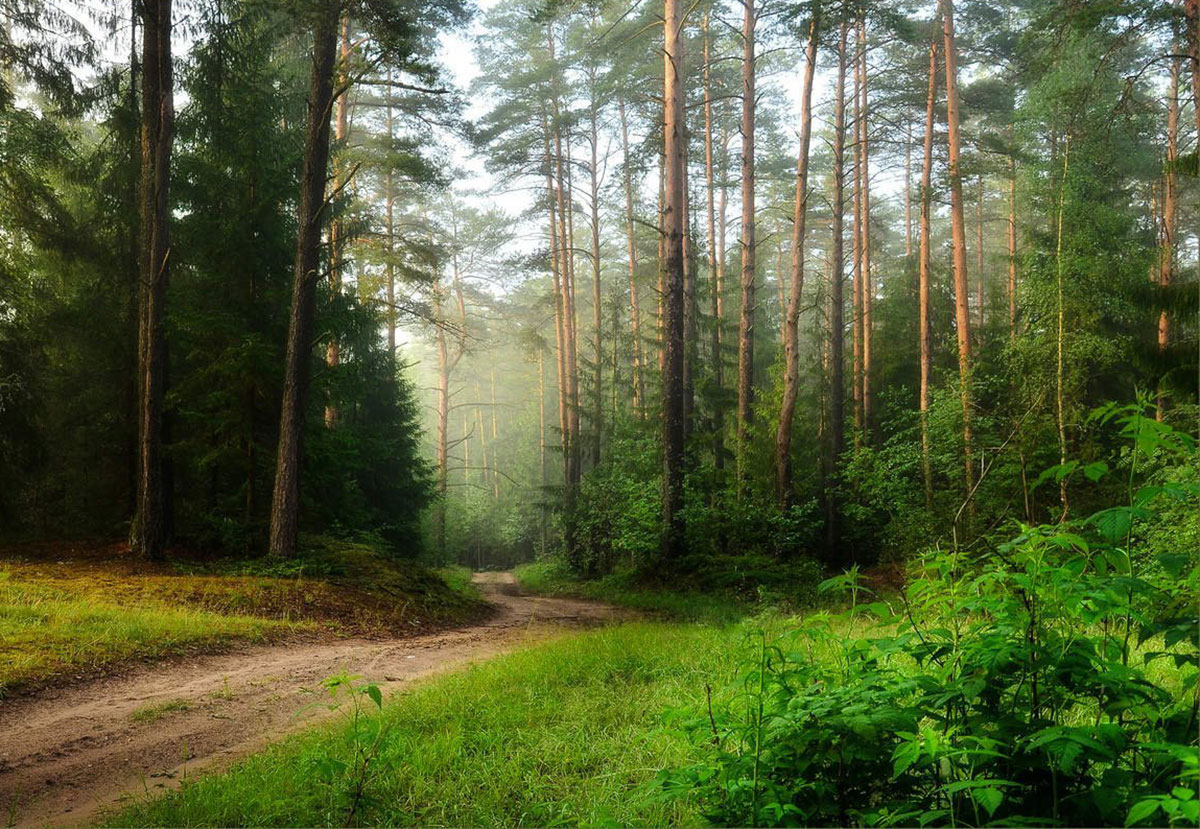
<point x="1049" y="680"/>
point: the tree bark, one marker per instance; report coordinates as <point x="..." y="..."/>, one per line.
<point x="337" y="229"/>
<point x="597" y="301"/>
<point x="635" y="310"/>
<point x="745" y="412"/>
<point x="151" y="520"/>
<point x="791" y="335"/>
<point x="716" y="256"/>
<point x="926" y="254"/>
<point x="1012" y="248"/>
<point x="836" y="443"/>
<point x="673" y="300"/>
<point x="285" y="501"/>
<point x="959" y="240"/>
<point x="1166" y="259"/>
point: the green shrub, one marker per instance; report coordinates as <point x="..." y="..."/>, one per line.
<point x="1049" y="680"/>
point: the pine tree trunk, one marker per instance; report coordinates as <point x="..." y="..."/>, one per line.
<point x="151" y="520"/>
<point x="285" y="501"/>
<point x="635" y="311"/>
<point x="1012" y="248"/>
<point x="979" y="292"/>
<point x="836" y="426"/>
<point x="868" y="291"/>
<point x="959" y="239"/>
<point x="673" y="299"/>
<point x="389" y="207"/>
<point x="597" y="301"/>
<point x="715" y="257"/>
<point x="443" y="417"/>
<point x="745" y="400"/>
<point x="1166" y="261"/>
<point x="925" y="264"/>
<point x="908" y="191"/>
<point x="337" y="230"/>
<point x="791" y="334"/>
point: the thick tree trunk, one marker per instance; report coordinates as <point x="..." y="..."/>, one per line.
<point x="151" y="520"/>
<point x="337" y="228"/>
<point x="959" y="238"/>
<point x="745" y="402"/>
<point x="635" y="309"/>
<point x="791" y="334"/>
<point x="1060" y="339"/>
<point x="924" y="331"/>
<point x="285" y="501"/>
<point x="836" y="418"/>
<point x="673" y="299"/>
<point x="560" y="345"/>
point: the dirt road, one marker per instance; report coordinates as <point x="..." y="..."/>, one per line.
<point x="67" y="754"/>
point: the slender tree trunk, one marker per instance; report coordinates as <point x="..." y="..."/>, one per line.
<point x="856" y="281"/>
<point x="554" y="199"/>
<point x="868" y="291"/>
<point x="1060" y="375"/>
<point x="389" y="207"/>
<point x="1166" y="262"/>
<point x="1012" y="248"/>
<point x="836" y="443"/>
<point x="746" y="322"/>
<point x="925" y="264"/>
<point x="337" y="230"/>
<point x="597" y="300"/>
<point x="673" y="300"/>
<point x="495" y="440"/>
<point x="979" y="292"/>
<point x="959" y="239"/>
<point x="908" y="191"/>
<point x="791" y="334"/>
<point x="545" y="483"/>
<point x="151" y="521"/>
<point x="635" y="311"/>
<point x="715" y="256"/>
<point x="285" y="501"/>
<point x="443" y="417"/>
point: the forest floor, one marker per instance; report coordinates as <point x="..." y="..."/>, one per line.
<point x="67" y="753"/>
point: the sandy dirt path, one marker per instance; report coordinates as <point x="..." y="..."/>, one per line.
<point x="67" y="754"/>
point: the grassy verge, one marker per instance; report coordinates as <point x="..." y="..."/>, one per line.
<point x="69" y="613"/>
<point x="552" y="579"/>
<point x="568" y="732"/>
<point x="52" y="630"/>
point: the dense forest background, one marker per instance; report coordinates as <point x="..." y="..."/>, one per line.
<point x="204" y="340"/>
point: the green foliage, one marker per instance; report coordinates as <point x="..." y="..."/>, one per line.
<point x="1051" y="679"/>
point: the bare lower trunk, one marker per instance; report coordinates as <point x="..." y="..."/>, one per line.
<point x="715" y="256"/>
<point x="746" y="322"/>
<point x="791" y="334"/>
<point x="836" y="424"/>
<point x="959" y="238"/>
<point x="151" y="520"/>
<point x="337" y="229"/>
<point x="1060" y="374"/>
<point x="1012" y="249"/>
<point x="673" y="301"/>
<point x="923" y="328"/>
<point x="1166" y="261"/>
<point x="635" y="312"/>
<point x="285" y="501"/>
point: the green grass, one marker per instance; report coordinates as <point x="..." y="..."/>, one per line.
<point x="551" y="578"/>
<point x="151" y="713"/>
<point x="70" y="613"/>
<point x="48" y="631"/>
<point x="568" y="732"/>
